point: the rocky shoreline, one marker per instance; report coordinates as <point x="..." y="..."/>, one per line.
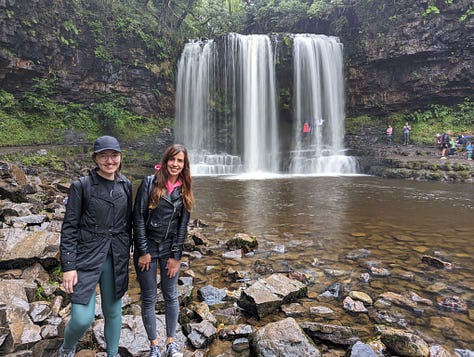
<point x="273" y="314"/>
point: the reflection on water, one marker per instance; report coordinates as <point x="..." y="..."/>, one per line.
<point x="300" y="219"/>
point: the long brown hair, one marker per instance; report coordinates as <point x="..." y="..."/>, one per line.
<point x="162" y="175"/>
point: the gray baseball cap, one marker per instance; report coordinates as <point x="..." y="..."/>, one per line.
<point x="106" y="143"/>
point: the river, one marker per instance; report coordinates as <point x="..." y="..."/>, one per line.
<point x="312" y="224"/>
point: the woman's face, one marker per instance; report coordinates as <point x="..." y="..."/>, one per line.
<point x="175" y="165"/>
<point x="108" y="162"/>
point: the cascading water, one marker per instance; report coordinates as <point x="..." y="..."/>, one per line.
<point x="195" y="123"/>
<point x="318" y="103"/>
<point x="226" y="107"/>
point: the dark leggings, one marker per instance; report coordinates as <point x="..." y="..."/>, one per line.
<point x="169" y="288"/>
<point x="82" y="316"/>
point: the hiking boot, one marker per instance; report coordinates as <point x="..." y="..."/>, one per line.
<point x="172" y="350"/>
<point x="64" y="353"/>
<point x="155" y="351"/>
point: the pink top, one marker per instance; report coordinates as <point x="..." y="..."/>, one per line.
<point x="171" y="186"/>
<point x="389" y="131"/>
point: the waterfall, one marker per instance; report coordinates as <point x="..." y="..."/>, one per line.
<point x="227" y="107"/>
<point x="318" y="101"/>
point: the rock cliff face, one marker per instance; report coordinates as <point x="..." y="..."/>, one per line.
<point x="399" y="55"/>
<point x="404" y="55"/>
<point x="51" y="39"/>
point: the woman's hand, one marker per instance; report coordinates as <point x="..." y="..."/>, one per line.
<point x="144" y="262"/>
<point x="69" y="280"/>
<point x="172" y="266"/>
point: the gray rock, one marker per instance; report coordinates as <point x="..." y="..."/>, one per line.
<point x="267" y="295"/>
<point x="283" y="338"/>
<point x="360" y="349"/>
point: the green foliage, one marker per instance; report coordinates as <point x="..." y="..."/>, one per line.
<point x="43" y="161"/>
<point x="469" y="12"/>
<point x="8" y="102"/>
<point x="278" y="15"/>
<point x="213" y="18"/>
<point x="321" y="9"/>
<point x="354" y="125"/>
<point x="424" y="123"/>
<point x="431" y="9"/>
<point x="69" y="26"/>
<point x="38" y="119"/>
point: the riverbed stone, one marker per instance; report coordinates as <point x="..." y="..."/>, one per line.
<point x="266" y="295"/>
<point x="398" y="299"/>
<point x="337" y="334"/>
<point x="353" y="305"/>
<point x="436" y="262"/>
<point x="283" y="338"/>
<point x="403" y="342"/>
<point x="452" y="303"/>
<point x="439" y="351"/>
<point x="361" y="296"/>
<point x="360" y="349"/>
<point x="201" y="334"/>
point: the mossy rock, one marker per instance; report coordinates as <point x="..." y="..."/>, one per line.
<point x="242" y="241"/>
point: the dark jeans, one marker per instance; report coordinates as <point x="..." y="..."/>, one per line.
<point x="169" y="288"/>
<point x="406" y="137"/>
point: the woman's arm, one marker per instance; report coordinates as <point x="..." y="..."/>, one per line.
<point x="70" y="228"/>
<point x="177" y="247"/>
<point x="140" y="213"/>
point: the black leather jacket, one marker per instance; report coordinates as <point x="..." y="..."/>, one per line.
<point x="97" y="223"/>
<point x="164" y="227"/>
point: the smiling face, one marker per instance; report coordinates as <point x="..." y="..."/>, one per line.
<point x="108" y="162"/>
<point x="175" y="165"/>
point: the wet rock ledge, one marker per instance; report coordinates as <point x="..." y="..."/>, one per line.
<point x="269" y="314"/>
<point x="412" y="162"/>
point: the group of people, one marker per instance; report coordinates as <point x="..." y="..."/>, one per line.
<point x="448" y="144"/>
<point x="406" y="134"/>
<point x="100" y="225"/>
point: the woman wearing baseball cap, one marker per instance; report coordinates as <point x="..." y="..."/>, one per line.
<point x="95" y="246"/>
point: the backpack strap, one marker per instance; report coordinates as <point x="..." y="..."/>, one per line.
<point x="85" y="182"/>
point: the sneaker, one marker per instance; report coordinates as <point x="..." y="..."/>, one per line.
<point x="443" y="158"/>
<point x="155" y="351"/>
<point x="172" y="350"/>
<point x="64" y="353"/>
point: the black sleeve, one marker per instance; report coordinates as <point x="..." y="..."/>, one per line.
<point x="71" y="227"/>
<point x="140" y="213"/>
<point x="178" y="243"/>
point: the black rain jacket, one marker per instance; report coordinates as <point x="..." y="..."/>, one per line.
<point x="97" y="223"/>
<point x="162" y="230"/>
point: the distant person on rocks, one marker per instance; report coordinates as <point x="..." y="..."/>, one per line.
<point x="388" y="133"/>
<point x="438" y="139"/>
<point x="160" y="215"/>
<point x="95" y="246"/>
<point x="452" y="147"/>
<point x="406" y="133"/>
<point x="306" y="128"/>
<point x="469" y="150"/>
<point x="445" y="138"/>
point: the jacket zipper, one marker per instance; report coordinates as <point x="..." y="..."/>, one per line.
<point x="169" y="223"/>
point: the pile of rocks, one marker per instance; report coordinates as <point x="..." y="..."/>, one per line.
<point x="34" y="307"/>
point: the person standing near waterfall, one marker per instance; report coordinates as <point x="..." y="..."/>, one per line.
<point x="95" y="246"/>
<point x="406" y="133"/>
<point x="161" y="215"/>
